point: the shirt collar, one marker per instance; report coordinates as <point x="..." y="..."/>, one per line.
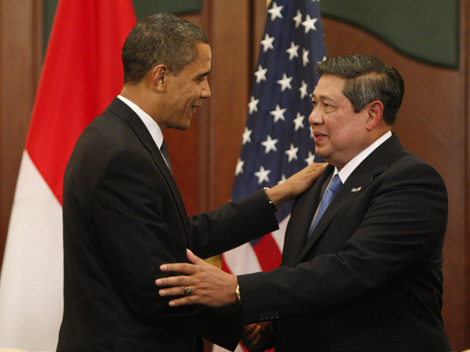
<point x="149" y="123"/>
<point x="348" y="169"/>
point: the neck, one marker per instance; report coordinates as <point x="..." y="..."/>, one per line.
<point x="142" y="98"/>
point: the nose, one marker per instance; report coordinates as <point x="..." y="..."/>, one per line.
<point x="205" y="90"/>
<point x="315" y="117"/>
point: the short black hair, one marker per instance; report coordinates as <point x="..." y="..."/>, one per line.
<point x="367" y="79"/>
<point x="160" y="39"/>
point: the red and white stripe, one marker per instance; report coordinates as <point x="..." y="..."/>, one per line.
<point x="81" y="74"/>
<point x="266" y="255"/>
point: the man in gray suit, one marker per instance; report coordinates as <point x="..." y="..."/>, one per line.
<point x="366" y="273"/>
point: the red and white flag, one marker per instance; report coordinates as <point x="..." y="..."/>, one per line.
<point x="82" y="73"/>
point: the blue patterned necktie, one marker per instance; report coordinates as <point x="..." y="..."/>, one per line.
<point x="328" y="196"/>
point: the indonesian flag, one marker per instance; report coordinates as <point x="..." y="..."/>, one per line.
<point x="82" y="73"/>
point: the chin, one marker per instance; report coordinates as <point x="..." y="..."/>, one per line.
<point x="182" y="127"/>
<point x="318" y="152"/>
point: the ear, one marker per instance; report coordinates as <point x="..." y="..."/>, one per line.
<point x="159" y="76"/>
<point x="375" y="112"/>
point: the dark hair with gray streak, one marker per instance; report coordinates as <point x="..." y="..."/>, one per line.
<point x="367" y="79"/>
<point x="160" y="39"/>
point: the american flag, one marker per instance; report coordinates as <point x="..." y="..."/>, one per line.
<point x="277" y="140"/>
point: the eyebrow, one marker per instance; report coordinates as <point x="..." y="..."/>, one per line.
<point x="204" y="74"/>
<point x="322" y="97"/>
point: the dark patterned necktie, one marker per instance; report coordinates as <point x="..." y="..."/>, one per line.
<point x="164" y="151"/>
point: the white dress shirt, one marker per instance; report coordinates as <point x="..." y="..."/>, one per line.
<point x="348" y="169"/>
<point x="149" y="123"/>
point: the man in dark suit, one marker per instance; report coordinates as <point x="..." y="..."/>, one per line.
<point x="366" y="273"/>
<point x="123" y="214"/>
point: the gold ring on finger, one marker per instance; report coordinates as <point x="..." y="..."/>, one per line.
<point x="188" y="290"/>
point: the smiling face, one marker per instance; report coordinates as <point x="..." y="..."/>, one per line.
<point x="184" y="93"/>
<point x="339" y="133"/>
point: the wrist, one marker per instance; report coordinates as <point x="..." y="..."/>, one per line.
<point x="237" y="292"/>
<point x="270" y="201"/>
<point x="278" y="194"/>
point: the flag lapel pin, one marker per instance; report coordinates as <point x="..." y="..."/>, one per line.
<point x="356" y="189"/>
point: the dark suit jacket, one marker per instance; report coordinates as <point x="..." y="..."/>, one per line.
<point x="369" y="278"/>
<point x="123" y="218"/>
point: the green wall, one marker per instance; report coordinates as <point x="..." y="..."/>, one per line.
<point x="427" y="30"/>
<point x="142" y="9"/>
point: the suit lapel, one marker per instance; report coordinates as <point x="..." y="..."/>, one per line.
<point x="350" y="190"/>
<point x="357" y="182"/>
<point x="122" y="110"/>
<point x="301" y="217"/>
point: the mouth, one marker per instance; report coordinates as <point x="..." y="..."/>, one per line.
<point x="318" y="136"/>
<point x="194" y="108"/>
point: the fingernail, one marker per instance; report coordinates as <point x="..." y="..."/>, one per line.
<point x="172" y="304"/>
<point x="158" y="282"/>
<point x="163" y="267"/>
<point x="162" y="293"/>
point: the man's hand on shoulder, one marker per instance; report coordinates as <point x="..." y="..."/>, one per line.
<point x="295" y="185"/>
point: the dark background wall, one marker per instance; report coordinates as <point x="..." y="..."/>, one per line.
<point x="427" y="30"/>
<point x="434" y="119"/>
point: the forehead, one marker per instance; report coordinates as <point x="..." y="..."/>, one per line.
<point x="202" y="64"/>
<point x="330" y="86"/>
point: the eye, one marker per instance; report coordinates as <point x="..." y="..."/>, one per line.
<point x="200" y="79"/>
